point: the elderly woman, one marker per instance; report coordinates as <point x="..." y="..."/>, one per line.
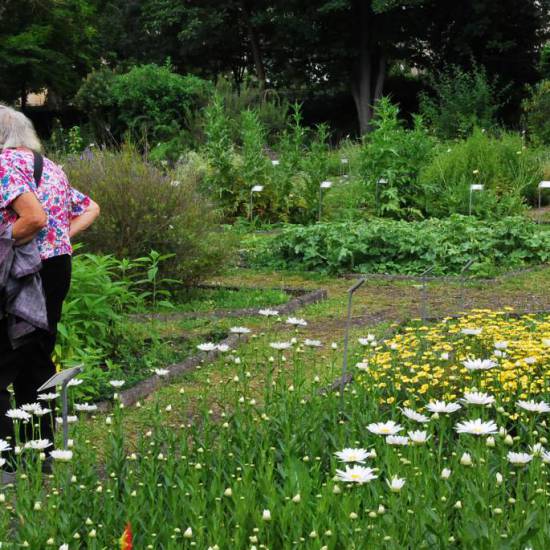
<point x="36" y="203"/>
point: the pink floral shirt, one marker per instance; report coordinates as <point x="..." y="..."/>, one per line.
<point x="60" y="201"/>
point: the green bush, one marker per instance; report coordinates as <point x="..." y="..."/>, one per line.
<point x="394" y="155"/>
<point x="387" y="246"/>
<point x="149" y="100"/>
<point x="508" y="170"/>
<point x="460" y="102"/>
<point x="145" y="209"/>
<point x="95" y="332"/>
<point x="537" y="113"/>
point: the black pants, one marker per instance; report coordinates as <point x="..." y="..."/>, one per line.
<point x="28" y="367"/>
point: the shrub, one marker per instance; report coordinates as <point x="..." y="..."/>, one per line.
<point x="460" y="102"/>
<point x="537" y="113"/>
<point x="144" y="209"/>
<point x="148" y="100"/>
<point x="508" y="171"/>
<point x="387" y="246"/>
<point x="395" y="155"/>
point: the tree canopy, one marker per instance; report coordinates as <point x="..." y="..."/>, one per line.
<point x="337" y="45"/>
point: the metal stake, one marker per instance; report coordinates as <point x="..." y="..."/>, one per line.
<point x="423" y="275"/>
<point x="351" y="291"/>
<point x="65" y="414"/>
<point x="462" y="283"/>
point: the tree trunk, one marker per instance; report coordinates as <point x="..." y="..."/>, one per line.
<point x="370" y="67"/>
<point x="255" y="46"/>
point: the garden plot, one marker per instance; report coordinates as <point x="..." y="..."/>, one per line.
<point x="453" y="458"/>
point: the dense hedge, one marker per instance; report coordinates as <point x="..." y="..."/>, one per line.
<point x="388" y="246"/>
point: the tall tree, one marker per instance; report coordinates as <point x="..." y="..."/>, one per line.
<point x="46" y="44"/>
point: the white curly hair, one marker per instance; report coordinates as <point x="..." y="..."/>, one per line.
<point x="16" y="130"/>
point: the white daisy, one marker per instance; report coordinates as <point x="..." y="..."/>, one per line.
<point x="313" y="343"/>
<point x="296" y="322"/>
<point x="397" y="440"/>
<point x="532" y="406"/>
<point x="477" y="398"/>
<point x="268" y="312"/>
<point x="47" y="396"/>
<point x="62" y="455"/>
<point x="223" y="348"/>
<point x="356" y="474"/>
<point x="384" y="428"/>
<point x="479" y="364"/>
<point x="117" y="383"/>
<point x="85" y="407"/>
<point x="395" y="484"/>
<point x="18" y="414"/>
<point x="501" y="345"/>
<point x="240" y="330"/>
<point x="413" y="415"/>
<point x="476" y="427"/>
<point x="519" y="458"/>
<point x="161" y="372"/>
<point x="71" y="419"/>
<point x="471" y="331"/>
<point x="442" y="407"/>
<point x="31" y="407"/>
<point x="4" y="446"/>
<point x="207" y="346"/>
<point x="280" y="345"/>
<point x="418" y="436"/>
<point x="353" y="455"/>
<point x="363" y="365"/>
<point x="38" y="444"/>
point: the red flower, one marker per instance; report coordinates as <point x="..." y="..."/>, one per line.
<point x="126" y="538"/>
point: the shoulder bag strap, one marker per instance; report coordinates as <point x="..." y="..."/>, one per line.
<point x="38" y="167"/>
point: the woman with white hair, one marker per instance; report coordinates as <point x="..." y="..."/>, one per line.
<point x="36" y="202"/>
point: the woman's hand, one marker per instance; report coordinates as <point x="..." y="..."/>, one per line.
<point x="82" y="222"/>
<point x="31" y="220"/>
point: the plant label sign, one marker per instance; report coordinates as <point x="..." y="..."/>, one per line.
<point x="60" y="378"/>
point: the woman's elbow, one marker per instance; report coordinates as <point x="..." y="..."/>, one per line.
<point x="94" y="209"/>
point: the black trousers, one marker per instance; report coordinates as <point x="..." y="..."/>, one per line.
<point x="28" y="367"/>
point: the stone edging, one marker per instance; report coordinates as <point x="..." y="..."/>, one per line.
<point x="148" y="385"/>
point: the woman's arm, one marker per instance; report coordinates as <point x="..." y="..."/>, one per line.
<point x="31" y="220"/>
<point x="82" y="222"/>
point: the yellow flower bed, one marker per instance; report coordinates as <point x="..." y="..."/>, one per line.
<point x="424" y="362"/>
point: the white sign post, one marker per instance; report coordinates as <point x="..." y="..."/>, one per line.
<point x="324" y="185"/>
<point x="542" y="185"/>
<point x="62" y="379"/>
<point x="255" y="189"/>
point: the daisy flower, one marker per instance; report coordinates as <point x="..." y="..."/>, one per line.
<point x="519" y="459"/>
<point x="413" y="415"/>
<point x="532" y="406"/>
<point x="479" y="364"/>
<point x="442" y="407"/>
<point x="476" y="427"/>
<point x="395" y="484"/>
<point x="477" y="398"/>
<point x="356" y="474"/>
<point x="384" y="428"/>
<point x="353" y="455"/>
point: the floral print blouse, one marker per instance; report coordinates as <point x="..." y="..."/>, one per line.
<point x="60" y="201"/>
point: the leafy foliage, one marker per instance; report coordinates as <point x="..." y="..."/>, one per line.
<point x="146" y="209"/>
<point x="386" y="246"/>
<point x="537" y="113"/>
<point x="148" y="100"/>
<point x="508" y="171"/>
<point x="460" y="102"/>
<point x="391" y="160"/>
